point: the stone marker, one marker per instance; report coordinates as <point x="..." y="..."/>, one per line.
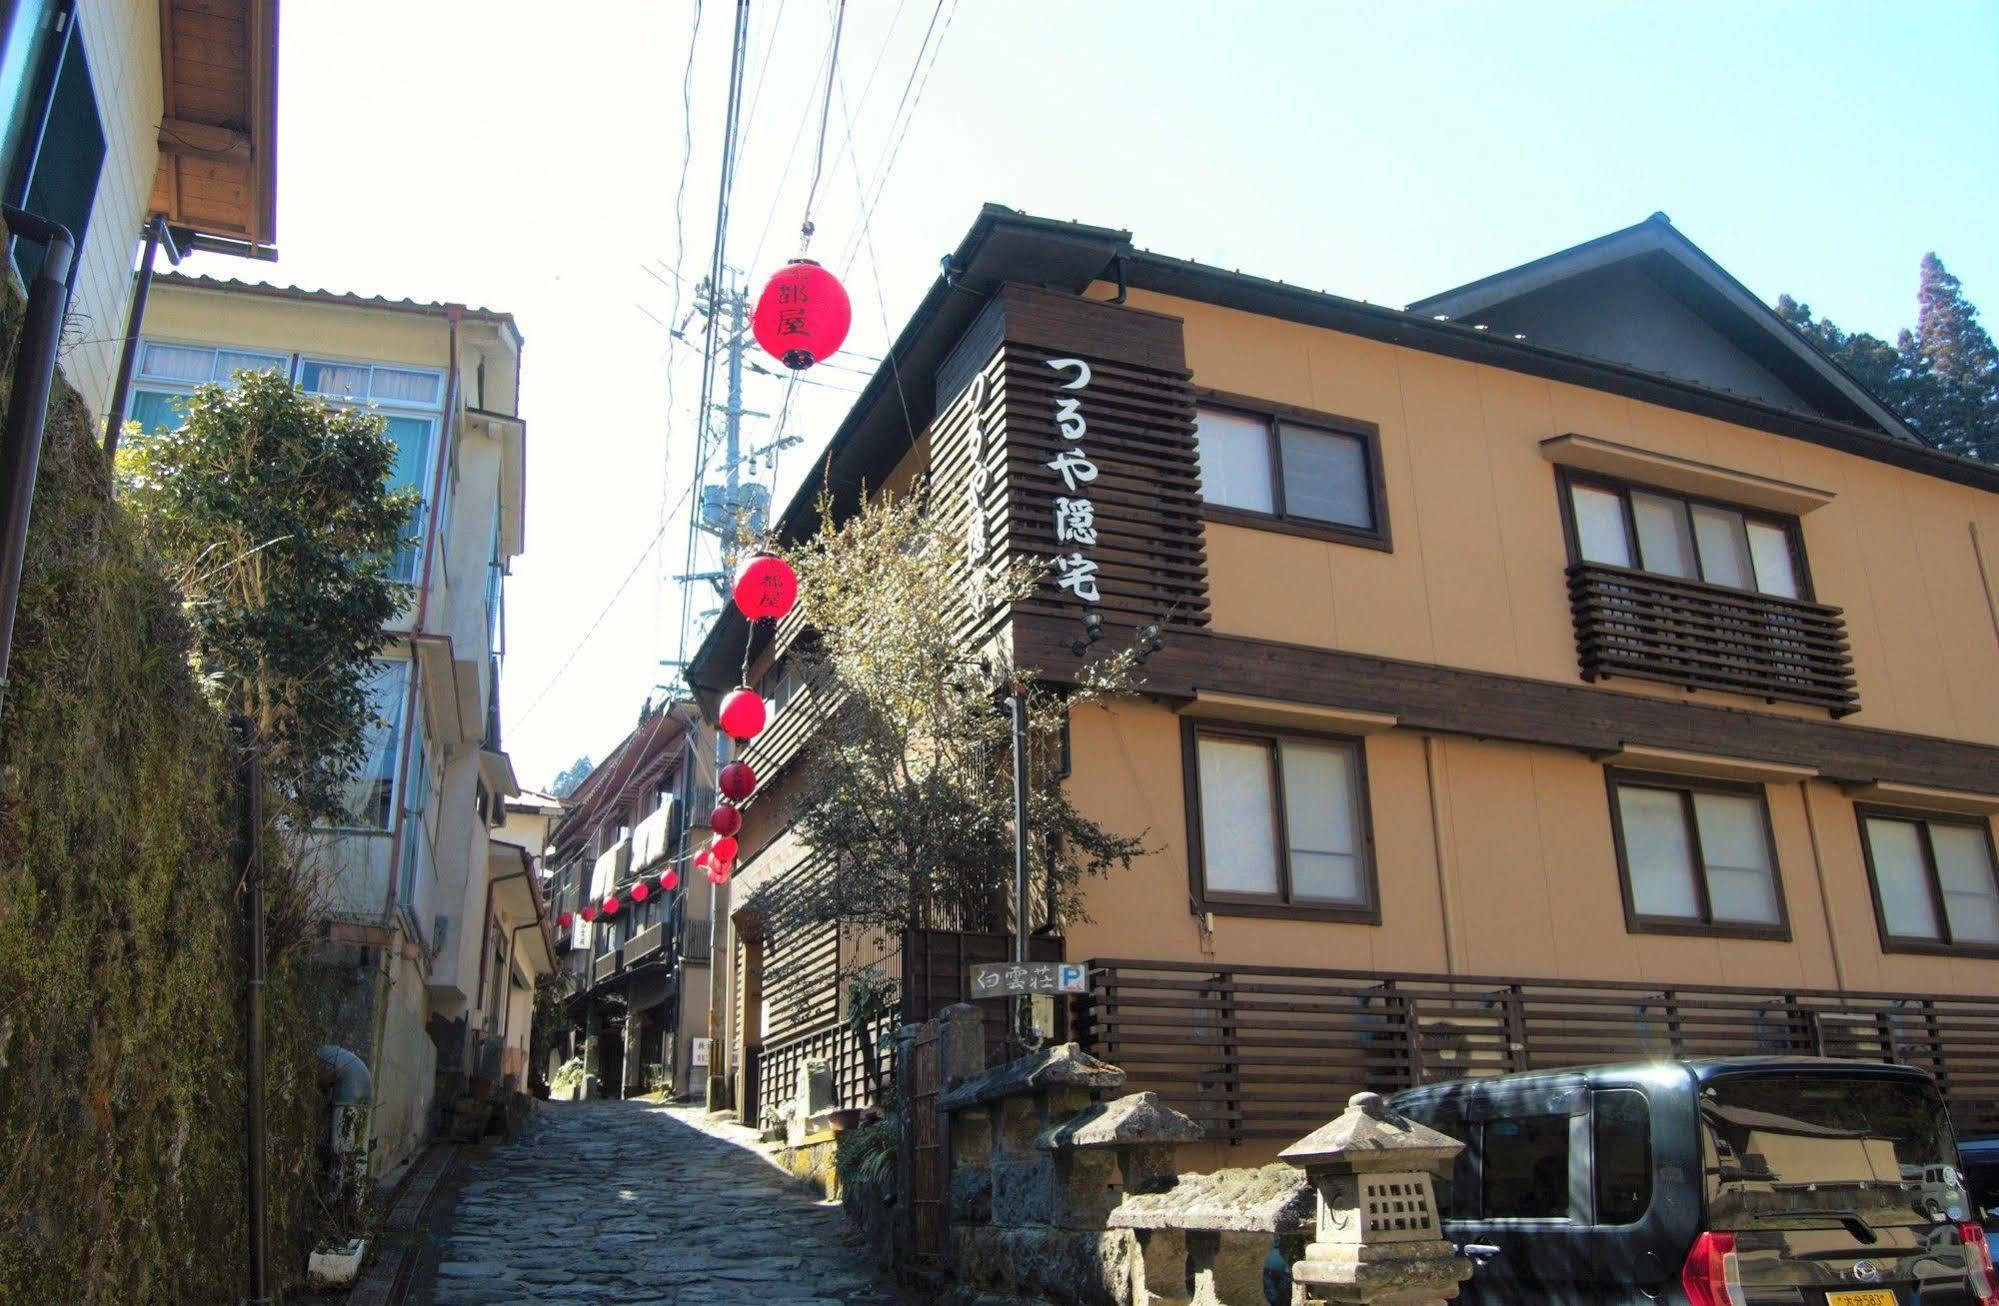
<point x="1380" y="1239"/>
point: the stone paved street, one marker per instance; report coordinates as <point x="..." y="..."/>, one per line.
<point x="631" y="1203"/>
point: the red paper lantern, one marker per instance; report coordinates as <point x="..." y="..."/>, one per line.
<point x="565" y="920"/>
<point x="641" y="891"/>
<point x="719" y="873"/>
<point x="669" y="880"/>
<point x="589" y="914"/>
<point x="802" y="315"/>
<point x="725" y="819"/>
<point x="611" y="905"/>
<point x="736" y="781"/>
<point x="703" y="860"/>
<point x="723" y="849"/>
<point x="742" y="715"/>
<point x="766" y="587"/>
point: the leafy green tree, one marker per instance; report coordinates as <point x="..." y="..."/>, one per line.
<point x="1942" y="377"/>
<point x="274" y="513"/>
<point x="570" y="776"/>
<point x="905" y="790"/>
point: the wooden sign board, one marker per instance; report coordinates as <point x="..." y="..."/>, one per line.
<point x="1007" y="979"/>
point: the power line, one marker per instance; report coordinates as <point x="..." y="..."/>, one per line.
<point x="887" y="166"/>
<point x="825" y="113"/>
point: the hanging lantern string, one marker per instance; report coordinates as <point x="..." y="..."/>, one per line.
<point x="825" y="112"/>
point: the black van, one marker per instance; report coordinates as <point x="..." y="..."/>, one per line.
<point x="1723" y="1182"/>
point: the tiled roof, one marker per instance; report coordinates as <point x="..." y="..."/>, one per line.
<point x="309" y="295"/>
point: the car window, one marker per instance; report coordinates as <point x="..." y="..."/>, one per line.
<point x="1525" y="1170"/>
<point x="1621" y="1134"/>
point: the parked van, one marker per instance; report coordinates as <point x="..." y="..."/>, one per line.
<point x="1722" y="1182"/>
<point x="1981" y="1176"/>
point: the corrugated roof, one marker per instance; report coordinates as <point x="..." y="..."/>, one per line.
<point x="308" y="294"/>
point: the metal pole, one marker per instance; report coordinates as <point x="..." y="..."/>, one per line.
<point x="250" y="853"/>
<point x="1018" y="703"/>
<point x="135" y="321"/>
<point x="28" y="408"/>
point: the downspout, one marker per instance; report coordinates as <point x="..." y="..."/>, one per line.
<point x="135" y="321"/>
<point x="28" y="407"/>
<point x="490" y="883"/>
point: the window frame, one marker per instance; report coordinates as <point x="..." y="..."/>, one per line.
<point x="1567" y="478"/>
<point x="1281" y="904"/>
<point x="1706" y="926"/>
<point x="1922" y="819"/>
<point x="1272" y="414"/>
<point x="398" y="722"/>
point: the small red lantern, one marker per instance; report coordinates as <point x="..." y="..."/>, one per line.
<point x="669" y="880"/>
<point x="611" y="905"/>
<point x="802" y="315"/>
<point x="736" y="781"/>
<point x="766" y="587"/>
<point x="565" y="920"/>
<point x="742" y="715"/>
<point x="723" y="849"/>
<point x="641" y="891"/>
<point x="589" y="914"/>
<point x="719" y="873"/>
<point x="725" y="819"/>
<point x="703" y="860"/>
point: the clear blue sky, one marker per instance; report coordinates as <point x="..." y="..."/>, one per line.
<point x="507" y="154"/>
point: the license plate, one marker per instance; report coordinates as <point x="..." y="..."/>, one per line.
<point x="1863" y="1297"/>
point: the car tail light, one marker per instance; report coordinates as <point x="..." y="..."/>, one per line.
<point x="1978" y="1263"/>
<point x="1712" y="1275"/>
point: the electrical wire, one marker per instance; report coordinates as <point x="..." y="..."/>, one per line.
<point x="887" y="166"/>
<point x="825" y="115"/>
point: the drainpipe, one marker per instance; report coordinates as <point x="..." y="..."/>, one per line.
<point x="490" y="883"/>
<point x="250" y="865"/>
<point x="135" y="321"/>
<point x="27" y="409"/>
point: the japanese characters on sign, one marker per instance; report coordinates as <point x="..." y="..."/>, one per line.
<point x="1006" y="979"/>
<point x="1075" y="515"/>
<point x="978" y="536"/>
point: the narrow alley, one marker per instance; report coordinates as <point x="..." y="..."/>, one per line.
<point x="633" y="1203"/>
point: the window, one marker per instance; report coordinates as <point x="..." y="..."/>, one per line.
<point x="167" y="373"/>
<point x="1269" y="466"/>
<point x="1691" y="539"/>
<point x="1621" y="1140"/>
<point x="1696" y="855"/>
<point x="371" y="788"/>
<point x="61" y="144"/>
<point x="416" y="839"/>
<point x="1279" y="822"/>
<point x="1934" y="880"/>
<point x="1524" y="1169"/>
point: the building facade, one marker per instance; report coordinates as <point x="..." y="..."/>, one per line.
<point x="118" y="110"/>
<point x="636" y="980"/>
<point x="437" y="924"/>
<point x="1570" y="667"/>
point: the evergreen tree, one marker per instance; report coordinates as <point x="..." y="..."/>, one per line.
<point x="1941" y="378"/>
<point x="570" y="776"/>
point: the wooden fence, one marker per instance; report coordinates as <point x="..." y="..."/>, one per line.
<point x="1259" y="1052"/>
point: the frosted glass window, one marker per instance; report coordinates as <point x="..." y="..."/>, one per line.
<point x="1600" y="525"/>
<point x="1735" y="847"/>
<point x="177" y="363"/>
<point x="1964" y="870"/>
<point x="1325" y="477"/>
<point x="1723" y="547"/>
<point x="1234" y="453"/>
<point x="1658" y="853"/>
<point x="1238" y="818"/>
<point x="1770" y="548"/>
<point x="1322" y="816"/>
<point x="395" y="385"/>
<point x="1902" y="880"/>
<point x="1665" y="544"/>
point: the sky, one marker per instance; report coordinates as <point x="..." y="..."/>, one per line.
<point x="533" y="158"/>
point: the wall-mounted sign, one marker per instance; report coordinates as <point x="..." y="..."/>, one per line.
<point x="697" y="1056"/>
<point x="1075" y="517"/>
<point x="1006" y="979"/>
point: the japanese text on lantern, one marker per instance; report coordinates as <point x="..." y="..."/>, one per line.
<point x="1075" y="515"/>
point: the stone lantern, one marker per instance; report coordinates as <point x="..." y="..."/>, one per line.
<point x="1380" y="1235"/>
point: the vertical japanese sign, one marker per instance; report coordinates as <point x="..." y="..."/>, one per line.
<point x="1075" y="515"/>
<point x="978" y="538"/>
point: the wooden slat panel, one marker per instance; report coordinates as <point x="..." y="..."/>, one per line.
<point x="1269" y="1052"/>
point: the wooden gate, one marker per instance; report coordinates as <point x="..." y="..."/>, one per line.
<point x="927" y="1172"/>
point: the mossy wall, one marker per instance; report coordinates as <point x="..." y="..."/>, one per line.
<point x="121" y="932"/>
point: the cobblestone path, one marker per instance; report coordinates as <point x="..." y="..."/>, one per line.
<point x="631" y="1203"/>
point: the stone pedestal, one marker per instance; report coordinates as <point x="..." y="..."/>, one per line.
<point x="1379" y="1237"/>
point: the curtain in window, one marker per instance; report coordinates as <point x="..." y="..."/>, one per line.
<point x="1238" y="820"/>
<point x="1658" y="853"/>
<point x="1234" y="454"/>
<point x="371" y="787"/>
<point x="1964" y="872"/>
<point x="334" y="380"/>
<point x="177" y="363"/>
<point x="1907" y="909"/>
<point x="392" y="385"/>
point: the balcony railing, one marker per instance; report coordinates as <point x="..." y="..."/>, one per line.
<point x="694" y="940"/>
<point x="605" y="966"/>
<point x="1682" y="632"/>
<point x="646" y="943"/>
<point x="1258" y="1051"/>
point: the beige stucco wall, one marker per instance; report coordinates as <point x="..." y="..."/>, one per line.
<point x="1525" y="885"/>
<point x="1476" y="575"/>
